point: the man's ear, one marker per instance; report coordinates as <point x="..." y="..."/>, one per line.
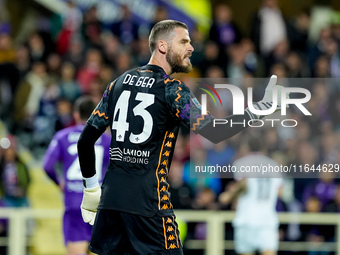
<point x="162" y="46"/>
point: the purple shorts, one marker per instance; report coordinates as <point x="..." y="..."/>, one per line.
<point x="75" y="229"/>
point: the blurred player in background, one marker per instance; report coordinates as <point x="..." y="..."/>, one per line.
<point x="256" y="223"/>
<point x="144" y="108"/>
<point x="63" y="148"/>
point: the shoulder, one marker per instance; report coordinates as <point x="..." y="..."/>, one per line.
<point x="169" y="81"/>
<point x="120" y="78"/>
<point x="142" y="71"/>
<point x="177" y="93"/>
<point x="174" y="86"/>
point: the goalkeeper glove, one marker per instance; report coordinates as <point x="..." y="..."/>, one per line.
<point x="91" y="198"/>
<point x="265" y="106"/>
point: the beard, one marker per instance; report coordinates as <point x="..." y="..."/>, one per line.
<point x="176" y="62"/>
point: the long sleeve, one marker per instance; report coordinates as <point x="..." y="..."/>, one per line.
<point x="86" y="151"/>
<point x="51" y="157"/>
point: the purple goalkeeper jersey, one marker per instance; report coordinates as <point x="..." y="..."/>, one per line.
<point x="63" y="148"/>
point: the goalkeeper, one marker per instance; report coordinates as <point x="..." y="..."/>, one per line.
<point x="132" y="212"/>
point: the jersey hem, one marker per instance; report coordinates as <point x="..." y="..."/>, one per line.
<point x="158" y="213"/>
<point x="132" y="211"/>
<point x="178" y="251"/>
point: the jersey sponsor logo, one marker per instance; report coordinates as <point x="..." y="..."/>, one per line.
<point x="138" y="153"/>
<point x="130" y="155"/>
<point x="116" y="154"/>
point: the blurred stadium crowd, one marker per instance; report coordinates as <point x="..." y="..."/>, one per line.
<point x="42" y="76"/>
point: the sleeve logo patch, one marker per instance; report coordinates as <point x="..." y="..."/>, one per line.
<point x="195" y="102"/>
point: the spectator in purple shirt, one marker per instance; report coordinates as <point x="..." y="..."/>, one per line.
<point x="223" y="30"/>
<point x="63" y="148"/>
<point x="323" y="189"/>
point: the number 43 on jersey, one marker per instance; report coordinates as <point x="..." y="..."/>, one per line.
<point x="121" y="111"/>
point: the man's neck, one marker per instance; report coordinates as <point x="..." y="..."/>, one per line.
<point x="162" y="63"/>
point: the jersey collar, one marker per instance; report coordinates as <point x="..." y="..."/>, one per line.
<point x="154" y="68"/>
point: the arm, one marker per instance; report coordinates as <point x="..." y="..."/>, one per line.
<point x="86" y="153"/>
<point x="94" y="128"/>
<point x="51" y="157"/>
<point x="233" y="192"/>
